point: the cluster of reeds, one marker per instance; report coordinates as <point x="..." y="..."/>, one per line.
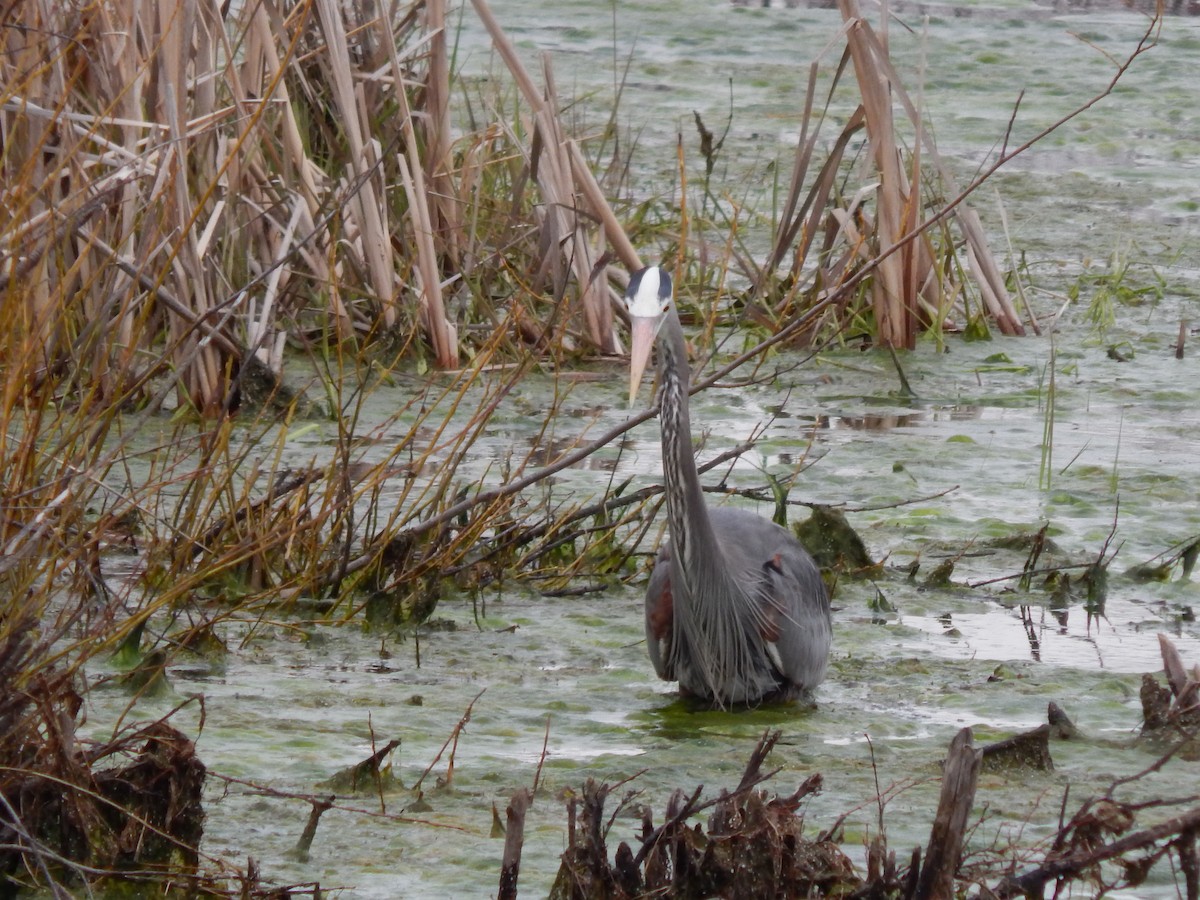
<point x="186" y="190"/>
<point x="918" y="275"/>
<point x="189" y="187"/>
<point x="193" y="193"/>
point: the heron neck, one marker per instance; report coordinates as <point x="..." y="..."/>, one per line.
<point x="716" y="646"/>
<point x="691" y="530"/>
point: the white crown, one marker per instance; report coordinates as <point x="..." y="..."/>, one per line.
<point x="649" y="293"/>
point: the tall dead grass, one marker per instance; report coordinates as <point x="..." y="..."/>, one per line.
<point x="868" y="237"/>
<point x="187" y="185"/>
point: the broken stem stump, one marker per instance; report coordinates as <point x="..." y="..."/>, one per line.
<point x="950" y="824"/>
<point x="514" y="839"/>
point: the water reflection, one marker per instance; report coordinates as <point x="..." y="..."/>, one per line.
<point x="544" y="452"/>
<point x="1126" y="641"/>
<point x="885" y="422"/>
<point x="878" y="422"/>
<point x="1031" y="633"/>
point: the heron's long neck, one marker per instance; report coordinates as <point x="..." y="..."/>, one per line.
<point x="691" y="532"/>
<point x="716" y="638"/>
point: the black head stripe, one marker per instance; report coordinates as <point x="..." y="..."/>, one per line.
<point x="635" y="281"/>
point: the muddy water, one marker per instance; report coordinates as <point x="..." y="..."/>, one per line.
<point x="939" y="475"/>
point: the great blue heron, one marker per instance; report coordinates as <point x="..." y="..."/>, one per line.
<point x="736" y="611"/>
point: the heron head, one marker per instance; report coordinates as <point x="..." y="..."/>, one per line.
<point x="647" y="301"/>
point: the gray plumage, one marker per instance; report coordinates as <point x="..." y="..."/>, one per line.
<point x="736" y="611"/>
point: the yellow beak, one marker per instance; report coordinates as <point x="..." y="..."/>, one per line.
<point x="644" y="330"/>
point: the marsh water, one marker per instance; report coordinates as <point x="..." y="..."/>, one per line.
<point x="948" y="472"/>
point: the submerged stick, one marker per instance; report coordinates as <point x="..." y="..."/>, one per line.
<point x="513" y="842"/>
<point x="319" y="806"/>
<point x="949" y="825"/>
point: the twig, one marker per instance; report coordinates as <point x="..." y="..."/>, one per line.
<point x="537" y="776"/>
<point x="879" y="802"/>
<point x="1153" y="767"/>
<point x="261" y="790"/>
<point x="1033" y="882"/>
<point x="462" y="723"/>
<point x="1029" y="574"/>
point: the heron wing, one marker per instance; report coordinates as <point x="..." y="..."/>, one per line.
<point x="792" y="612"/>
<point x="798" y="605"/>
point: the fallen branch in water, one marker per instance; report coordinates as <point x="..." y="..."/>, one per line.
<point x="1183" y="828"/>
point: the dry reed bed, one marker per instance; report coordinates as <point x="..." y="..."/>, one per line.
<point x="183" y="191"/>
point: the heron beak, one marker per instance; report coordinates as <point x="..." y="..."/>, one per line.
<point x="644" y="329"/>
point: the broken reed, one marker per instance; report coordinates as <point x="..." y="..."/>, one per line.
<point x="189" y="186"/>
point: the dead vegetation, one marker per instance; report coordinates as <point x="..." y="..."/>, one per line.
<point x="753" y="845"/>
<point x="73" y="813"/>
<point x="757" y="844"/>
